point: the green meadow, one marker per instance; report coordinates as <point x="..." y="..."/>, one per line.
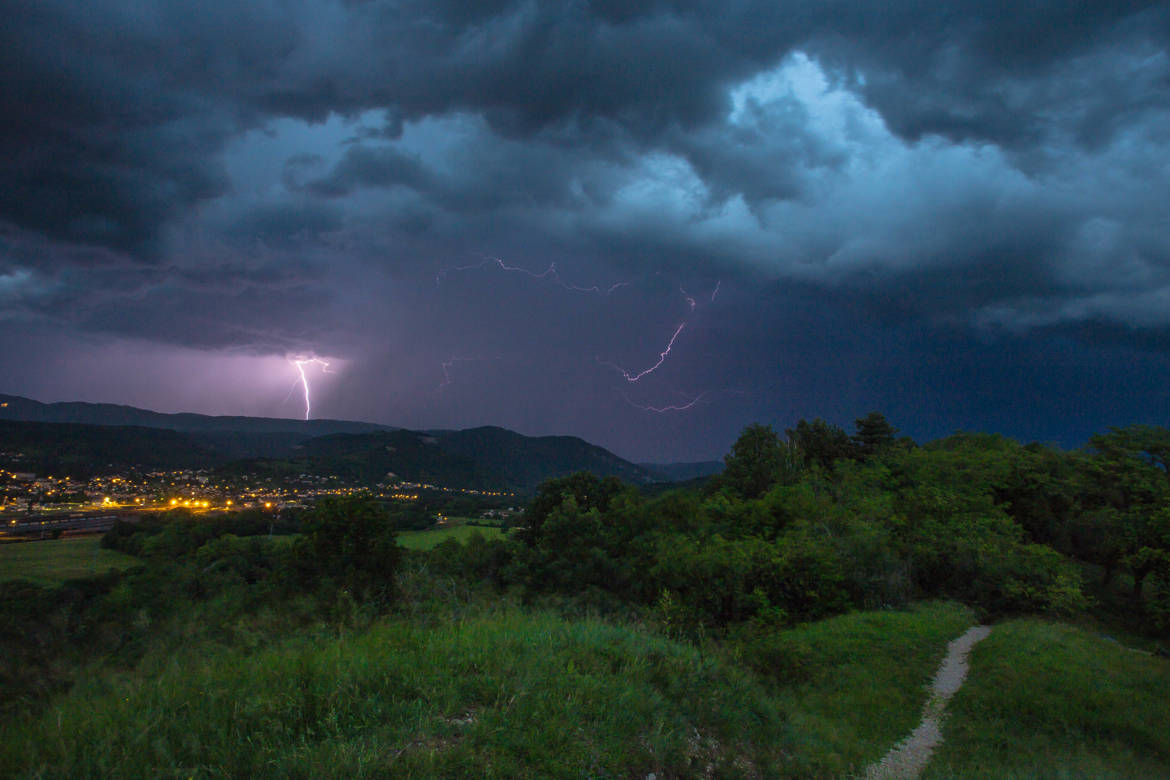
<point x="425" y="540"/>
<point x="52" y="561"/>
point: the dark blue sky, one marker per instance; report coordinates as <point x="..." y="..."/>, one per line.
<point x="955" y="213"/>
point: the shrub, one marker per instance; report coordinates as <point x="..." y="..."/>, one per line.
<point x="348" y="544"/>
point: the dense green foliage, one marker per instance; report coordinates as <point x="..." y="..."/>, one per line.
<point x="822" y="522"/>
<point x="222" y="578"/>
<point x="347" y="545"/>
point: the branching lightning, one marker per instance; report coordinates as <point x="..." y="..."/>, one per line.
<point x="304" y="379"/>
<point x="552" y="274"/>
<point x="661" y="359"/>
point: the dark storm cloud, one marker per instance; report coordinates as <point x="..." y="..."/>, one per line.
<point x="286" y="223"/>
<point x="365" y="167"/>
<point x="116" y="115"/>
<point x="870" y="183"/>
<point x="1009" y="73"/>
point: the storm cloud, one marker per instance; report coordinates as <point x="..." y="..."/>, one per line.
<point x="482" y="209"/>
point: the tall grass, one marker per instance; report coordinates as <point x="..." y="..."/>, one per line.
<point x="499" y="695"/>
<point x="497" y="692"/>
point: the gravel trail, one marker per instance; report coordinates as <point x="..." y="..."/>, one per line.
<point x="909" y="757"/>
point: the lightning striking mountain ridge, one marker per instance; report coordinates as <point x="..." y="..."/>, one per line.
<point x="300" y="366"/>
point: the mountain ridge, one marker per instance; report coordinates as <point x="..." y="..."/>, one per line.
<point x="19" y="408"/>
<point x="479" y="456"/>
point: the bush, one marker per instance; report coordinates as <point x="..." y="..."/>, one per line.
<point x="347" y="544"/>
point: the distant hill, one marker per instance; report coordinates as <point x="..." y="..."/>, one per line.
<point x="683" y="472"/>
<point x="478" y="457"/>
<point x="14" y="407"/>
<point x="370" y="457"/>
<point x="65" y="449"/>
<point x="526" y="461"/>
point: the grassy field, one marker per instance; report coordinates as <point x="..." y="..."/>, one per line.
<point x="425" y="540"/>
<point x="1047" y="700"/>
<point x="498" y="692"/>
<point x="868" y="673"/>
<point x="506" y="694"/>
<point x="54" y="561"/>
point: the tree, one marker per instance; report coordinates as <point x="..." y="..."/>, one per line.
<point x="874" y="434"/>
<point x="821" y="442"/>
<point x="753" y="465"/>
<point x="585" y="489"/>
<point x="349" y="543"/>
<point x="1126" y="481"/>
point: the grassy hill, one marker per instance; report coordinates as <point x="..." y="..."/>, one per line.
<point x="497" y="692"/>
<point x="1046" y="699"/>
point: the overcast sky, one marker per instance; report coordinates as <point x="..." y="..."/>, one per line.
<point x="646" y="224"/>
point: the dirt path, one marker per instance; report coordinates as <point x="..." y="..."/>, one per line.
<point x="909" y="757"/>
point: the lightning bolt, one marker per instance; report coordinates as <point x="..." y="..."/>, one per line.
<point x="300" y="365"/>
<point x="661" y="359"/>
<point x="551" y="274"/>
<point x="664" y="409"/>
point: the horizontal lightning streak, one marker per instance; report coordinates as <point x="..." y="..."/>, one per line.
<point x="551" y="273"/>
<point x="664" y="409"/>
